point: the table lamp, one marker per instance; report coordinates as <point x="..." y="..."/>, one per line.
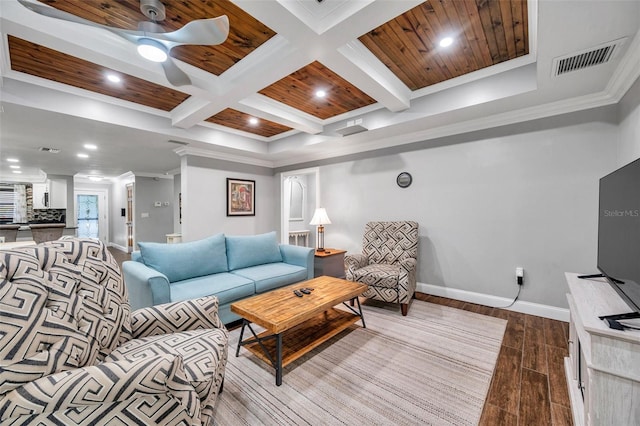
<point x="320" y="219"/>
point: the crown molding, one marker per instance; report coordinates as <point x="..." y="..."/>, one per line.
<point x="197" y="152"/>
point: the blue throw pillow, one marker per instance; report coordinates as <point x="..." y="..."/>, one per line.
<point x="186" y="260"/>
<point x="250" y="250"/>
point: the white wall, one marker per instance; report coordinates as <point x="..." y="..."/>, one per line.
<point x="629" y="115"/>
<point x="523" y="195"/>
<point x="153" y="223"/>
<point x="118" y="223"/>
<point x="204" y="199"/>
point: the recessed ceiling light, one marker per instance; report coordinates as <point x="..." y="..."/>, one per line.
<point x="17" y="171"/>
<point x="14" y="167"/>
<point x="253" y="121"/>
<point x="83" y="155"/>
<point x="95" y="178"/>
<point x="445" y="42"/>
<point x="90" y="146"/>
<point x="13" y="160"/>
<point x="321" y="93"/>
<point x="114" y="78"/>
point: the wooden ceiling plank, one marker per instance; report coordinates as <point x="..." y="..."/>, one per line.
<point x="454" y="63"/>
<point x="56" y="66"/>
<point x="122" y="14"/>
<point x="375" y="42"/>
<point x="240" y="121"/>
<point x="472" y="42"/>
<point x="408" y="57"/>
<point x="487" y="27"/>
<point x="433" y="65"/>
<point x="480" y="46"/>
<point x="464" y="35"/>
<point x="498" y="29"/>
<point x="520" y="26"/>
<point x="507" y="25"/>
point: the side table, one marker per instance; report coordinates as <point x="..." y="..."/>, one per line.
<point x="329" y="262"/>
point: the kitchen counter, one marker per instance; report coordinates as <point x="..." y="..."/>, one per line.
<point x="44" y="231"/>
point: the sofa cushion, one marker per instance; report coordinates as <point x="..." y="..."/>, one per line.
<point x="273" y="275"/>
<point x="186" y="260"/>
<point x="227" y="287"/>
<point x="250" y="250"/>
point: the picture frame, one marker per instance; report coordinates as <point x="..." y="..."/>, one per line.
<point x="241" y="197"/>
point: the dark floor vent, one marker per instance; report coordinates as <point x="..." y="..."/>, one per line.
<point x="587" y="58"/>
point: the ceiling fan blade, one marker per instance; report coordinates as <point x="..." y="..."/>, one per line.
<point x="52" y="12"/>
<point x="201" y="32"/>
<point x="175" y="75"/>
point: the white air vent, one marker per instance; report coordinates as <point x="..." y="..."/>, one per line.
<point x="353" y="126"/>
<point x="50" y="150"/>
<point x="587" y="58"/>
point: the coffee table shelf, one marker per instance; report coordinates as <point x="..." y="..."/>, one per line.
<point x="305" y="337"/>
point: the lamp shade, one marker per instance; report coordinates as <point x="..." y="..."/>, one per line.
<point x="320" y="217"/>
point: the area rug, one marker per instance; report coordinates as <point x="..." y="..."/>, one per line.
<point x="432" y="367"/>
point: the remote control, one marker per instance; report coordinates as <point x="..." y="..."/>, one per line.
<point x="297" y="293"/>
<point x="305" y="290"/>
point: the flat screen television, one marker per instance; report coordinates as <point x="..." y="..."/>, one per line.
<point x="619" y="232"/>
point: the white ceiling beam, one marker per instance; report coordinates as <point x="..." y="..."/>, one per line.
<point x="354" y="62"/>
<point x="270" y="109"/>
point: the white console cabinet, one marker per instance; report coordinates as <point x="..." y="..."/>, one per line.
<point x="603" y="367"/>
<point x="51" y="194"/>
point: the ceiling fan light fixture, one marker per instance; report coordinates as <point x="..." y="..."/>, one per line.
<point x="152" y="50"/>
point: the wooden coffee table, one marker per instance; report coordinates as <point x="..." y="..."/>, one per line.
<point x="295" y="325"/>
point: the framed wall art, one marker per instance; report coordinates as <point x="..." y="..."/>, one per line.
<point x="241" y="197"/>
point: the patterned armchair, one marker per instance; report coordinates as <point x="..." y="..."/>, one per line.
<point x="387" y="263"/>
<point x="71" y="352"/>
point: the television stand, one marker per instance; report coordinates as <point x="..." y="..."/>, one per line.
<point x="603" y="366"/>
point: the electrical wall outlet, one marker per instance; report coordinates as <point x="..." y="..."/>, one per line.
<point x="519" y="275"/>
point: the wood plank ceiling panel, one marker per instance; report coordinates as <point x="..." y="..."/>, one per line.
<point x="245" y="32"/>
<point x="298" y="91"/>
<point x="485" y="32"/>
<point x="40" y="61"/>
<point x="240" y="121"/>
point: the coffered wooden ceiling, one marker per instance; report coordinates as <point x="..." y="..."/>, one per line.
<point x="485" y="32"/>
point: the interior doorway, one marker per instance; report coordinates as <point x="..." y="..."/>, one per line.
<point x="91" y="214"/>
<point x="300" y="196"/>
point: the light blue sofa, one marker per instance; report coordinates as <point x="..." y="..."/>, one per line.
<point x="229" y="267"/>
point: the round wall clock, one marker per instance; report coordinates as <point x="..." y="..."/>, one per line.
<point x="404" y="179"/>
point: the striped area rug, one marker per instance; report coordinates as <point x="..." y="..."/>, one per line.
<point x="432" y="367"/>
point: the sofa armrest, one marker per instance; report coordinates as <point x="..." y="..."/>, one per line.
<point x="201" y="313"/>
<point x="353" y="262"/>
<point x="300" y="256"/>
<point x="100" y="388"/>
<point x="146" y="286"/>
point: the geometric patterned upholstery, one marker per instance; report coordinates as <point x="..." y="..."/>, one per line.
<point x="388" y="262"/>
<point x="68" y="353"/>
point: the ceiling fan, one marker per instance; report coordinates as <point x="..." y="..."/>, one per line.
<point x="153" y="42"/>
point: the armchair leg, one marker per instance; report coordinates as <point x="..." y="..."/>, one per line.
<point x="404" y="307"/>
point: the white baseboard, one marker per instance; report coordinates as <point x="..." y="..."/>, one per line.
<point x="546" y="311"/>
<point x="119" y="247"/>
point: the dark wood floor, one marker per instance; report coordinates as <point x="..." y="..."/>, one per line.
<point x="528" y="385"/>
